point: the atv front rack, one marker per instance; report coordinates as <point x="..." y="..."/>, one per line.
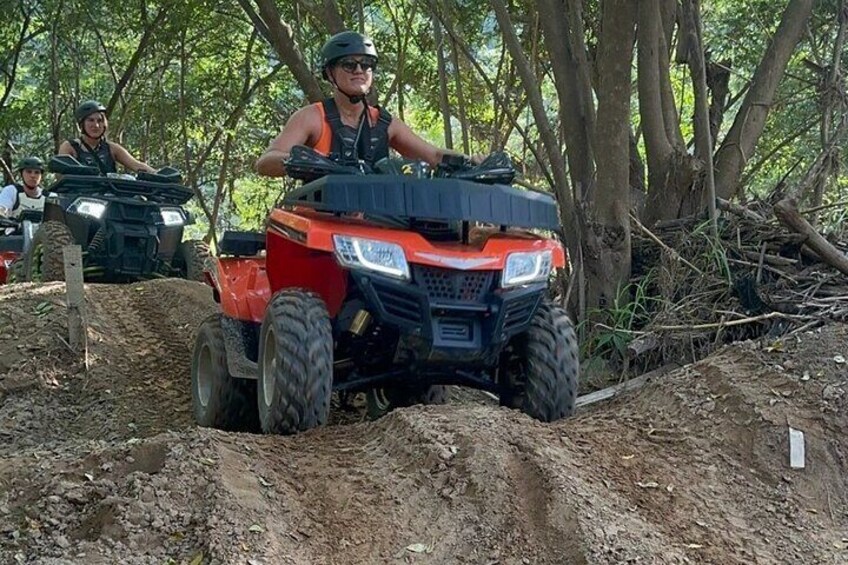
<point x="83" y="185"/>
<point x="444" y="199"/>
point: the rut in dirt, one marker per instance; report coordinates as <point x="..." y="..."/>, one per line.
<point x="139" y="354"/>
<point x="691" y="468"/>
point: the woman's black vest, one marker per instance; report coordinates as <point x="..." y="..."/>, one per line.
<point x="373" y="142"/>
<point x="101" y="157"/>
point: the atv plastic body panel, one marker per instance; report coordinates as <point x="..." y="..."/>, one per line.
<point x="434" y="198"/>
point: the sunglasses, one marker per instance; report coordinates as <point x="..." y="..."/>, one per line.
<point x="349" y="65"/>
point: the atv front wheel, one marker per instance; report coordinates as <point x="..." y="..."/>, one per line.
<point x="219" y="400"/>
<point x="45" y="261"/>
<point x="381" y="401"/>
<point x="295" y="363"/>
<point x="17" y="271"/>
<point x="544" y="375"/>
<point x="194" y="254"/>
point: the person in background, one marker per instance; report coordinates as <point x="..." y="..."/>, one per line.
<point x="91" y="148"/>
<point x="27" y="195"/>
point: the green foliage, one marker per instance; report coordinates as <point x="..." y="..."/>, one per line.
<point x="607" y="332"/>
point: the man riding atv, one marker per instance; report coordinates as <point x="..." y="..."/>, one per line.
<point x="344" y="127"/>
<point x="21" y="208"/>
<point x="15" y="198"/>
<point x="92" y="149"/>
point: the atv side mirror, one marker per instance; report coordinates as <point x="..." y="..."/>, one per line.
<point x="67" y="165"/>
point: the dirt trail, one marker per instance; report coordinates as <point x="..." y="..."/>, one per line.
<point x="105" y="465"/>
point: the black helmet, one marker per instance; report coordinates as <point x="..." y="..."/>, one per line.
<point x="30" y="163"/>
<point x="88" y="108"/>
<point x="344" y="44"/>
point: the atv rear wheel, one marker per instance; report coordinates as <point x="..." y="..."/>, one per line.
<point x="194" y="254"/>
<point x="295" y="363"/>
<point x="542" y="380"/>
<point x="381" y="401"/>
<point x="219" y="400"/>
<point x="45" y="261"/>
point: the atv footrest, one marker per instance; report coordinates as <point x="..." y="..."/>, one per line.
<point x="241" y="243"/>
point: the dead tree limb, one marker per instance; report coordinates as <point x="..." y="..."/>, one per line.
<point x="787" y="212"/>
<point x="738" y="210"/>
<point x="662" y="244"/>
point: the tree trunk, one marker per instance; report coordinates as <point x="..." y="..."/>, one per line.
<point x="10" y="74"/>
<point x="444" y="101"/>
<point x="460" y="98"/>
<point x="564" y="39"/>
<point x="135" y="59"/>
<point x="718" y="81"/>
<point x="279" y="35"/>
<point x="740" y="141"/>
<point x="546" y="133"/>
<point x="671" y="171"/>
<point x="606" y="245"/>
<point x="703" y="139"/>
<point x="333" y="16"/>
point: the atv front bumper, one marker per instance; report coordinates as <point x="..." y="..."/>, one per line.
<point x="451" y="317"/>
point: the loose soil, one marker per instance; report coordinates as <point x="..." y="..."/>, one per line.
<point x="100" y="462"/>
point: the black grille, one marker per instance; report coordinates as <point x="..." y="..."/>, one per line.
<point x="517" y="312"/>
<point x="129" y="212"/>
<point x="399" y="304"/>
<point x="447" y="284"/>
<point x="455" y="331"/>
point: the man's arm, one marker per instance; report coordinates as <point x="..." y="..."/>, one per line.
<point x="7" y="199"/>
<point x="123" y="156"/>
<point x="303" y="128"/>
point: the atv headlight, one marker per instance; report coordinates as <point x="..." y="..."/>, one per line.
<point x="172" y="216"/>
<point x="379" y="256"/>
<point x="527" y="267"/>
<point x="89" y="207"/>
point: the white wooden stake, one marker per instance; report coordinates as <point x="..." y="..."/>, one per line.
<point x="72" y="255"/>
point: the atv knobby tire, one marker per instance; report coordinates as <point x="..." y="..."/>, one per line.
<point x="219" y="400"/>
<point x="295" y="363"/>
<point x="381" y="401"/>
<point x="195" y="255"/>
<point x="45" y="261"/>
<point x="549" y="366"/>
<point x="17" y="271"/>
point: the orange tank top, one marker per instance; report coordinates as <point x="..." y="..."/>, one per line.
<point x="325" y="141"/>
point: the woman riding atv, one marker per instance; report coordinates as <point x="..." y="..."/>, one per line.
<point x="92" y="148"/>
<point x="344" y="127"/>
<point x="15" y="198"/>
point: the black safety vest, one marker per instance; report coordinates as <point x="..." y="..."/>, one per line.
<point x="100" y="158"/>
<point x="373" y="142"/>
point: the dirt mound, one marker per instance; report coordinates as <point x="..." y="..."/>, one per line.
<point x="134" y="383"/>
<point x="103" y="465"/>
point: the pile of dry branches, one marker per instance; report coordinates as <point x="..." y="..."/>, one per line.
<point x="769" y="272"/>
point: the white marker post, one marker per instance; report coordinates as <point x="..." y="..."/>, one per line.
<point x="72" y="255"/>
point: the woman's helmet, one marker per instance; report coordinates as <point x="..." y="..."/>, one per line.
<point x="88" y="108"/>
<point x="344" y="44"/>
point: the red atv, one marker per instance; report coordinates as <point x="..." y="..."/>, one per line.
<point x="16" y="235"/>
<point x="395" y="282"/>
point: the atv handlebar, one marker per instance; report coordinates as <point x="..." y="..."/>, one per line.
<point x="306" y="164"/>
